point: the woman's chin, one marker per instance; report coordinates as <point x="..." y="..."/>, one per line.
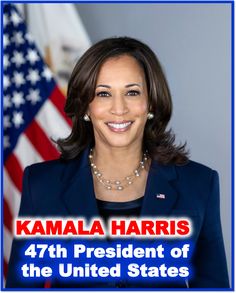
<point x="119" y="143"/>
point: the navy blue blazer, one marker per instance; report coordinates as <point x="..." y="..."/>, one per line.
<point x="63" y="189"/>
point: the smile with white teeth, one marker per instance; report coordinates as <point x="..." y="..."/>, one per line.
<point x="119" y="126"/>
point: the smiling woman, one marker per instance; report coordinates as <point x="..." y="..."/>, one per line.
<point x="119" y="100"/>
<point x="120" y="160"/>
<point x="120" y="105"/>
<point x="118" y="114"/>
<point x="133" y="70"/>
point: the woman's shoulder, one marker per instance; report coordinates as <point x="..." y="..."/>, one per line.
<point x="194" y="166"/>
<point x="44" y="167"/>
<point x="196" y="172"/>
<point x="52" y="169"/>
<point x="190" y="173"/>
<point x="191" y="167"/>
<point x="60" y="165"/>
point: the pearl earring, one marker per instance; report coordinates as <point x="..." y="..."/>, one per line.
<point x="86" y="118"/>
<point x="150" y="116"/>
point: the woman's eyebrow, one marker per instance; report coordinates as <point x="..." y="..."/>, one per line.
<point x="133" y="84"/>
<point x="127" y="86"/>
<point x="103" y="85"/>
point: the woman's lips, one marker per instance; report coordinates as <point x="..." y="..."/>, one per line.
<point x="119" y="126"/>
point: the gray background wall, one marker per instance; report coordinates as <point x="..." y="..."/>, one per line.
<point x="193" y="43"/>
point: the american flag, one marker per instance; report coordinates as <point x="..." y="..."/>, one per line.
<point x="161" y="196"/>
<point x="33" y="112"/>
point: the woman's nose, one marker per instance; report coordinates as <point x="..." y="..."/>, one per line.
<point x="119" y="106"/>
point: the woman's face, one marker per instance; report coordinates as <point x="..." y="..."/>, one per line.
<point x="119" y="109"/>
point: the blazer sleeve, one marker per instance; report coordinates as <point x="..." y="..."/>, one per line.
<point x="209" y="259"/>
<point x="14" y="275"/>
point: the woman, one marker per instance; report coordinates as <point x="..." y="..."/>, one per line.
<point x="120" y="160"/>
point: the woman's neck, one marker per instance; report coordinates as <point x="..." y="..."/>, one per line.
<point x="117" y="162"/>
<point x="118" y="165"/>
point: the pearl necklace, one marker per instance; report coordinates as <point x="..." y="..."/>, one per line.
<point x="117" y="184"/>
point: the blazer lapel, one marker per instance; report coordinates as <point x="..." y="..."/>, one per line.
<point x="78" y="192"/>
<point x="160" y="197"/>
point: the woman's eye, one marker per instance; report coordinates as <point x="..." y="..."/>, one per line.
<point x="133" y="93"/>
<point x="103" y="94"/>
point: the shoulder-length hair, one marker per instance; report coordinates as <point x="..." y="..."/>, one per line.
<point x="158" y="141"/>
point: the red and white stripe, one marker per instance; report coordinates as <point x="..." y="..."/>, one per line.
<point x="33" y="146"/>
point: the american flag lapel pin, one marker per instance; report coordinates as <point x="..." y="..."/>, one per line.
<point x="160" y="196"/>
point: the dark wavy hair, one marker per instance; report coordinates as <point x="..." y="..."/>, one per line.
<point x="158" y="141"/>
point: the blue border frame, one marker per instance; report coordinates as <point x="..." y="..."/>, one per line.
<point x="125" y="2"/>
<point x="232" y="147"/>
<point x="2" y="210"/>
